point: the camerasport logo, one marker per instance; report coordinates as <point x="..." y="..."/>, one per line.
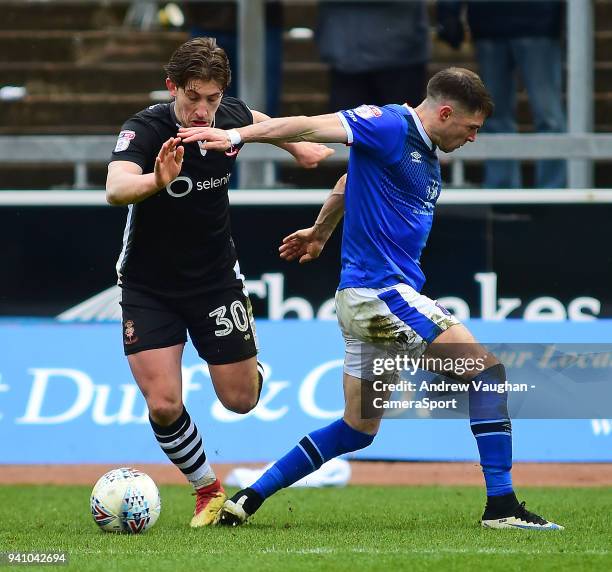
<point x="129" y="333"/>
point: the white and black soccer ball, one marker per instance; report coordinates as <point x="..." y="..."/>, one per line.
<point x="125" y="500"/>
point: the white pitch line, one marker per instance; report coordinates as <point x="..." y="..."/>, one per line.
<point x="373" y="551"/>
<point x="429" y="551"/>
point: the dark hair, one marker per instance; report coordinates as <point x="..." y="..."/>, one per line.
<point x="199" y="58"/>
<point x="464" y="87"/>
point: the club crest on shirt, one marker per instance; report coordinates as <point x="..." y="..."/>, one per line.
<point x="202" y="150"/>
<point x="368" y="111"/>
<point x="123" y="141"/>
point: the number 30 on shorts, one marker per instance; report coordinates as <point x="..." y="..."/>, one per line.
<point x="239" y="318"/>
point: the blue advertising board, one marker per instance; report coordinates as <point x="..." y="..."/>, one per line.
<point x="67" y="396"/>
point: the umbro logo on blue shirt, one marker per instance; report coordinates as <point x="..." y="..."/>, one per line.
<point x="416" y="157"/>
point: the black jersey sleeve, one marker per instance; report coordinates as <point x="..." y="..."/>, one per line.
<point x="138" y="143"/>
<point x="234" y="113"/>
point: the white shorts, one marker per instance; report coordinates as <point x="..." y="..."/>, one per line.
<point x="384" y="322"/>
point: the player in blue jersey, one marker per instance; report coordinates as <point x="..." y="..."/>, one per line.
<point x="388" y="200"/>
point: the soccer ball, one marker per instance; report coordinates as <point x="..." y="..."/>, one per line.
<point x="125" y="500"/>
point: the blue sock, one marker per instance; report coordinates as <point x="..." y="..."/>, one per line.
<point x="490" y="424"/>
<point x="311" y="452"/>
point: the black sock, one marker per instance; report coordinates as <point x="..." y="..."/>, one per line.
<point x="502" y="504"/>
<point x="252" y="502"/>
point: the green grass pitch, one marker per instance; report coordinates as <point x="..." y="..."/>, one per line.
<point x="356" y="528"/>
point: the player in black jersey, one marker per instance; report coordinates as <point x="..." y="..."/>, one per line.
<point x="178" y="267"/>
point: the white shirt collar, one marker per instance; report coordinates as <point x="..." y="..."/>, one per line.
<point x="420" y="127"/>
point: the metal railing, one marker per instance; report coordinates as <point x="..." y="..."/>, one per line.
<point x="83" y="151"/>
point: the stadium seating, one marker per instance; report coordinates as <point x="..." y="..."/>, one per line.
<point x="85" y="73"/>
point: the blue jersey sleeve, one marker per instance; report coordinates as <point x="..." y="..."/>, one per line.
<point x="379" y="131"/>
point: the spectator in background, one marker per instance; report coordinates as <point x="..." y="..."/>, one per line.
<point x="378" y="52"/>
<point x="513" y="37"/>
<point x="219" y="20"/>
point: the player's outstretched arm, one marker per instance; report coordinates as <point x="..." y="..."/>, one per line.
<point x="307" y="244"/>
<point x="318" y="129"/>
<point x="126" y="184"/>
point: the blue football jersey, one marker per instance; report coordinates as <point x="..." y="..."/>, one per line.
<point x="392" y="188"/>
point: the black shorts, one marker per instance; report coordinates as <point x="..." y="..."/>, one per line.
<point x="220" y="324"/>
